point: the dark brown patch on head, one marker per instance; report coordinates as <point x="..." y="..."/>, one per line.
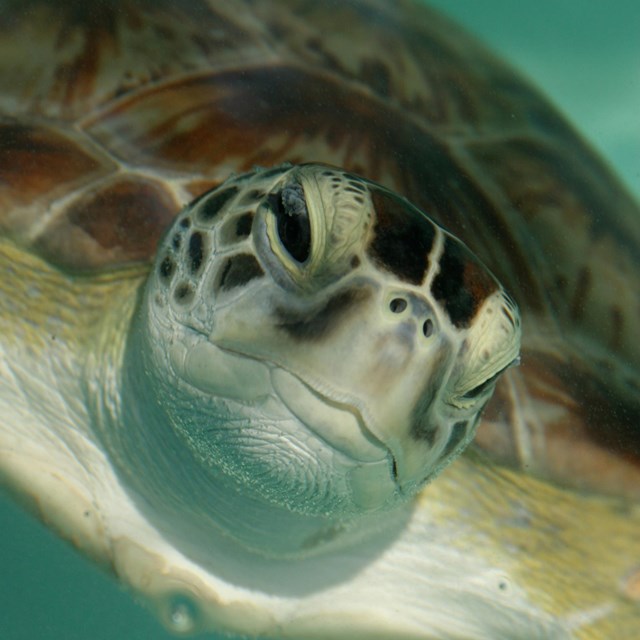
<point x="196" y="251"/>
<point x="238" y="270"/>
<point x="183" y="293"/>
<point x="243" y="225"/>
<point x="461" y="284"/>
<point x="403" y="237"/>
<point x="209" y="207"/>
<point x="253" y="196"/>
<point x="458" y="434"/>
<point x="319" y="323"/>
<point x="167" y="268"/>
<point x="236" y="228"/>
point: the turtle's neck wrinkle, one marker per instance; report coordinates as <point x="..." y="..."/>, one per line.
<point x="192" y="503"/>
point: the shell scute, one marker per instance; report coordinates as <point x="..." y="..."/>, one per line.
<point x="38" y="164"/>
<point x="118" y="222"/>
<point x="576" y="423"/>
<point x="83" y="55"/>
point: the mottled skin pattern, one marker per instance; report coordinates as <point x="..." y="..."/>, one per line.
<point x="102" y="141"/>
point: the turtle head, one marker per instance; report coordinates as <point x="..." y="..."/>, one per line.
<point x="320" y="341"/>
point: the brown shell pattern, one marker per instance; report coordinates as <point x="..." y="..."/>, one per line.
<point x="113" y="115"/>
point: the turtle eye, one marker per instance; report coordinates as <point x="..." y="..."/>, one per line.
<point x="481" y="388"/>
<point x="475" y="392"/>
<point x="292" y="216"/>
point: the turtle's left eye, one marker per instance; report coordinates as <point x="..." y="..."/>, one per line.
<point x="481" y="388"/>
<point x="294" y="229"/>
<point x="475" y="392"/>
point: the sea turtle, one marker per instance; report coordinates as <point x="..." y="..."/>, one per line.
<point x="237" y="410"/>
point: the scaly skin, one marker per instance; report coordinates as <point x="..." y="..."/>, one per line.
<point x="557" y="563"/>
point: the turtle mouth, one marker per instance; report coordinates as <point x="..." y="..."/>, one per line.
<point x="340" y="425"/>
<point x="368" y="465"/>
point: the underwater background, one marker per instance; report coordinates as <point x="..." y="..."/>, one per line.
<point x="586" y="57"/>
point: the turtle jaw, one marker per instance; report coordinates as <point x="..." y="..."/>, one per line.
<point x="303" y="497"/>
<point x="372" y="479"/>
<point x="340" y="425"/>
<point x="315" y="433"/>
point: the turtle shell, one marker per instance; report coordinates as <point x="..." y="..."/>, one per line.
<point x="114" y="116"/>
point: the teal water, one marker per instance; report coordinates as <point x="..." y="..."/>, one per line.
<point x="584" y="55"/>
<point x="587" y="58"/>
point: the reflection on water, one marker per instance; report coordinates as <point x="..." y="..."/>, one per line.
<point x="47" y="592"/>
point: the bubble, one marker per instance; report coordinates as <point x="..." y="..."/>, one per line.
<point x="183" y="613"/>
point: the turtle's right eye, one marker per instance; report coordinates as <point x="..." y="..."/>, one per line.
<point x="294" y="229"/>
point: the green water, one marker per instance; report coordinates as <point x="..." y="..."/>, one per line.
<point x="586" y="56"/>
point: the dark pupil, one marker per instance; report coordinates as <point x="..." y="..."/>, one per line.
<point x="292" y="216"/>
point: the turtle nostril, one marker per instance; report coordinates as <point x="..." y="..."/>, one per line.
<point x="398" y="305"/>
<point x="427" y="328"/>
